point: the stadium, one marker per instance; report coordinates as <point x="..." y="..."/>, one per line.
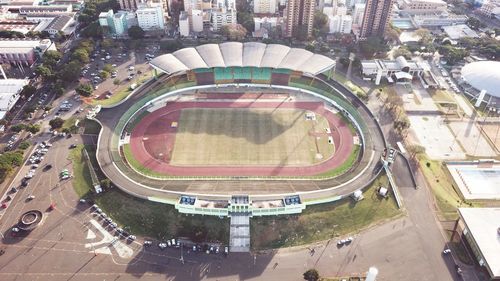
<point x="240" y="129"/>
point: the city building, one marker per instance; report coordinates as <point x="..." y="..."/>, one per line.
<point x="61" y="24"/>
<point x="376" y="18"/>
<point x="266" y="26"/>
<point x="196" y="20"/>
<point x="228" y="4"/>
<point x="221" y="17"/>
<point x="9" y="94"/>
<point x="394" y="71"/>
<point x="114" y="24"/>
<point x="265" y="6"/>
<point x="184" y="28"/>
<point x="26" y="10"/>
<point x="481" y="81"/>
<point x="340" y="23"/>
<point x="443" y="19"/>
<point x="490" y="8"/>
<point x="422" y="7"/>
<point x="357" y="14"/>
<point x="129" y="5"/>
<point x="299" y="18"/>
<point x="481" y="229"/>
<point x="23" y="52"/>
<point x="150" y="16"/>
<point x="22" y="26"/>
<point x="455" y="32"/>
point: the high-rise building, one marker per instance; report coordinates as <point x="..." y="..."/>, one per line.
<point x="357" y="14"/>
<point x="221" y="17"/>
<point x="376" y="18"/>
<point x="340" y="23"/>
<point x="197" y="20"/>
<point x="265" y="6"/>
<point x="299" y="18"/>
<point x="184" y="29"/>
<point x="130" y="5"/>
<point x="150" y="16"/>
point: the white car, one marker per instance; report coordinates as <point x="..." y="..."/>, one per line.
<point x="162" y="245"/>
<point x="131" y="237"/>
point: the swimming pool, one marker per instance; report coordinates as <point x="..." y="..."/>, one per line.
<point x="477" y="182"/>
<point x="403" y="23"/>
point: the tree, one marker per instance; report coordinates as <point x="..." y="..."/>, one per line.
<point x="116" y="81"/>
<point x="33" y="128"/>
<point x="44" y="72"/>
<point x="28" y="91"/>
<point x="392" y="34"/>
<point x="81" y="55"/>
<point x="246" y="20"/>
<point x="50" y="58"/>
<point x="320" y="20"/>
<point x="71" y="71"/>
<point x="136" y="32"/>
<point x="107" y="43"/>
<point x="93" y="30"/>
<point x="402" y="51"/>
<point x="56" y="123"/>
<point x="311" y="275"/>
<point x="310" y="47"/>
<point x="415" y="149"/>
<point x="234" y="32"/>
<point x="425" y="35"/>
<point x="452" y="54"/>
<point x="17" y="128"/>
<point x="85" y="89"/>
<point x="24" y="145"/>
<point x="104" y="74"/>
<point x="373" y="45"/>
<point x="108" y="68"/>
<point x="170" y="45"/>
<point x="474" y="23"/>
<point x="105" y="183"/>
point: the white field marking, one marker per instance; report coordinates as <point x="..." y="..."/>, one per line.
<point x="123" y="250"/>
<point x="91" y="235"/>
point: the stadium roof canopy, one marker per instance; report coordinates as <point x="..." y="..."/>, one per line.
<point x="483" y="75"/>
<point x="236" y="54"/>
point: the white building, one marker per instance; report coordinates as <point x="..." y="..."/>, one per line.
<point x="422" y="7"/>
<point x="265" y="22"/>
<point x="228" y="4"/>
<point x="9" y="94"/>
<point x="399" y="70"/>
<point x="342" y="24"/>
<point x="221" y="17"/>
<point x="265" y="6"/>
<point x="197" y="20"/>
<point x="150" y="17"/>
<point x="357" y="14"/>
<point x="330" y="10"/>
<point x="184" y="27"/>
<point x="443" y="19"/>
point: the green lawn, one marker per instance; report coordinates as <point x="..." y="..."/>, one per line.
<point x="146" y="218"/>
<point x="82" y="182"/>
<point x="91" y="127"/>
<point x="447" y="198"/>
<point x="324" y="221"/>
<point x="136" y="165"/>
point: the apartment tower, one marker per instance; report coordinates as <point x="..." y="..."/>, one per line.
<point x="299" y="18"/>
<point x="376" y="18"/>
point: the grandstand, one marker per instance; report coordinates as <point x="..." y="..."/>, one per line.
<point x="243" y="63"/>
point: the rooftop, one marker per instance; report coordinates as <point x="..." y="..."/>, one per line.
<point x="59" y="23"/>
<point x="236" y="54"/>
<point x="483" y="75"/>
<point x="483" y="224"/>
<point x="458" y="31"/>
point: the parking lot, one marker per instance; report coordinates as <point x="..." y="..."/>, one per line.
<point x="127" y="67"/>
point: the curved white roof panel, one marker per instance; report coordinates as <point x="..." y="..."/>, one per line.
<point x="190" y="58"/>
<point x="274" y="55"/>
<point x="483" y="75"/>
<point x="317" y="64"/>
<point x="295" y="58"/>
<point x="253" y="53"/>
<point x="211" y="55"/>
<point x="232" y="52"/>
<point x="168" y="63"/>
